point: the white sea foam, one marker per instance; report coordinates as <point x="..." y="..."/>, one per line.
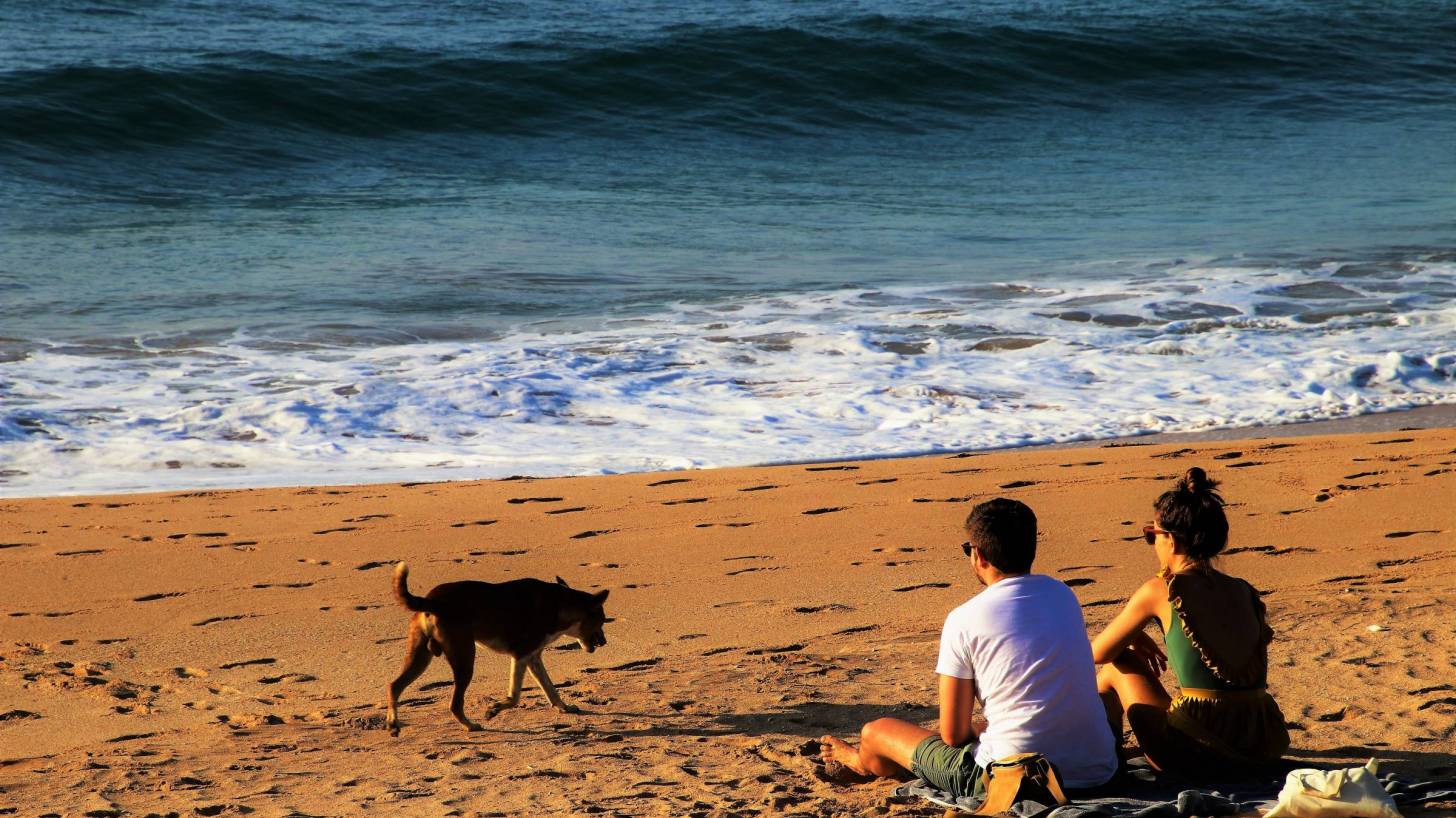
<point x="771" y="379"/>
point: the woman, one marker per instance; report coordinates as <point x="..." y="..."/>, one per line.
<point x="1216" y="639"/>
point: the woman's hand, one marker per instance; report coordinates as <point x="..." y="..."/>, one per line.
<point x="1144" y="656"/>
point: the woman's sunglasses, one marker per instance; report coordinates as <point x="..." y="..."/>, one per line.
<point x="1151" y="532"/>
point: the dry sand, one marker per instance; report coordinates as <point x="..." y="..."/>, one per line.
<point x="226" y="652"/>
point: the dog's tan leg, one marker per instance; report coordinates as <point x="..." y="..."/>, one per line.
<point x="416" y="659"/>
<point x="513" y="694"/>
<point x="460" y="652"/>
<point x="537" y="667"/>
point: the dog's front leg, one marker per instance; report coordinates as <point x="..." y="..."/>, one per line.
<point x="513" y="695"/>
<point x="538" y="672"/>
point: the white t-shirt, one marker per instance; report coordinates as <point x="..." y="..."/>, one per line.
<point x="1024" y="642"/>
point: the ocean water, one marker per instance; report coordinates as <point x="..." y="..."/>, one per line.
<point x="271" y="243"/>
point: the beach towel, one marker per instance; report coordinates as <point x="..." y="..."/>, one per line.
<point x="1143" y="792"/>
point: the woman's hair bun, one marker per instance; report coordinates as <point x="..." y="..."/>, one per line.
<point x="1196" y="481"/>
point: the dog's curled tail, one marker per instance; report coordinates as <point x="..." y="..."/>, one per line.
<point x="407" y="599"/>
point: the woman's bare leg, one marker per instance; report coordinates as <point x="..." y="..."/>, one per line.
<point x="885" y="748"/>
<point x="1142" y="698"/>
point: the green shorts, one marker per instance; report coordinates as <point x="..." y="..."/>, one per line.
<point x="953" y="769"/>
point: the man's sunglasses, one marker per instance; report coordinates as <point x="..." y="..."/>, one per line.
<point x="967" y="547"/>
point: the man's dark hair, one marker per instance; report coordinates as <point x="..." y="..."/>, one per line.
<point x="1004" y="531"/>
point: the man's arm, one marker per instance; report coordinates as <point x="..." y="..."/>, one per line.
<point x="957" y="700"/>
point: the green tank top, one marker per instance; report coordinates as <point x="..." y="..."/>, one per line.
<point x="1187" y="664"/>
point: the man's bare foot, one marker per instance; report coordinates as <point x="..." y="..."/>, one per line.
<point x="841" y="761"/>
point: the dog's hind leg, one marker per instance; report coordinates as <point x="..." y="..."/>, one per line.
<point x="415" y="661"/>
<point x="537" y="667"/>
<point x="513" y="694"/>
<point x="460" y="651"/>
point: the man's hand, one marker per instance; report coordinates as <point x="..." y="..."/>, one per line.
<point x="1144" y="656"/>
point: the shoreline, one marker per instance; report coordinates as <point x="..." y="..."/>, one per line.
<point x="1438" y="416"/>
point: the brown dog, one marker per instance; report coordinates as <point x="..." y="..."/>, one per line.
<point x="519" y="618"/>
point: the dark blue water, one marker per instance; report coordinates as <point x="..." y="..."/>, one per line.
<point x="272" y="242"/>
<point x="444" y="169"/>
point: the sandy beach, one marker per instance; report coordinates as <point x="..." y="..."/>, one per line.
<point x="226" y="652"/>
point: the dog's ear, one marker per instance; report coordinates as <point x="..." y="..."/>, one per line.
<point x="602" y="595"/>
<point x="562" y="582"/>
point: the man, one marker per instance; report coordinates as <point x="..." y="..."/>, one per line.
<point x="1022" y="645"/>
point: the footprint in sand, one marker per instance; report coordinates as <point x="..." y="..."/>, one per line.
<point x="812" y="609"/>
<point x="1174" y="453"/>
<point x="1071" y="568"/>
<point x="216" y="619"/>
<point x="370" y="566"/>
<point x="157" y="596"/>
<point x="638" y="664"/>
<point x="473" y="522"/>
<point x="754" y="569"/>
<point x="514" y="552"/>
<point x="1393" y="440"/>
<point x="1083" y="463"/>
<point x="1017" y="484"/>
<point x="599" y="565"/>
<point x="189" y="672"/>
<point x="782" y="649"/>
<point x="688" y="501"/>
<point x="266" y="660"/>
<point x="725" y="525"/>
<point x="1076" y="582"/>
<point x="760" y="488"/>
<point x="367" y="517"/>
<point x="82" y="553"/>
<point x="571" y="510"/>
<point x="1228" y="456"/>
<point x="339" y="530"/>
<point x="922" y="585"/>
<point x="832" y="468"/>
<point x="1393" y="563"/>
<point x="942" y="499"/>
<point x="669" y="482"/>
<point x="240" y="545"/>
<point x="1098" y="603"/>
<point x="879" y="482"/>
<point x="515" y="501"/>
<point x="287" y="677"/>
<point x="597" y="533"/>
<point x="827" y="510"/>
